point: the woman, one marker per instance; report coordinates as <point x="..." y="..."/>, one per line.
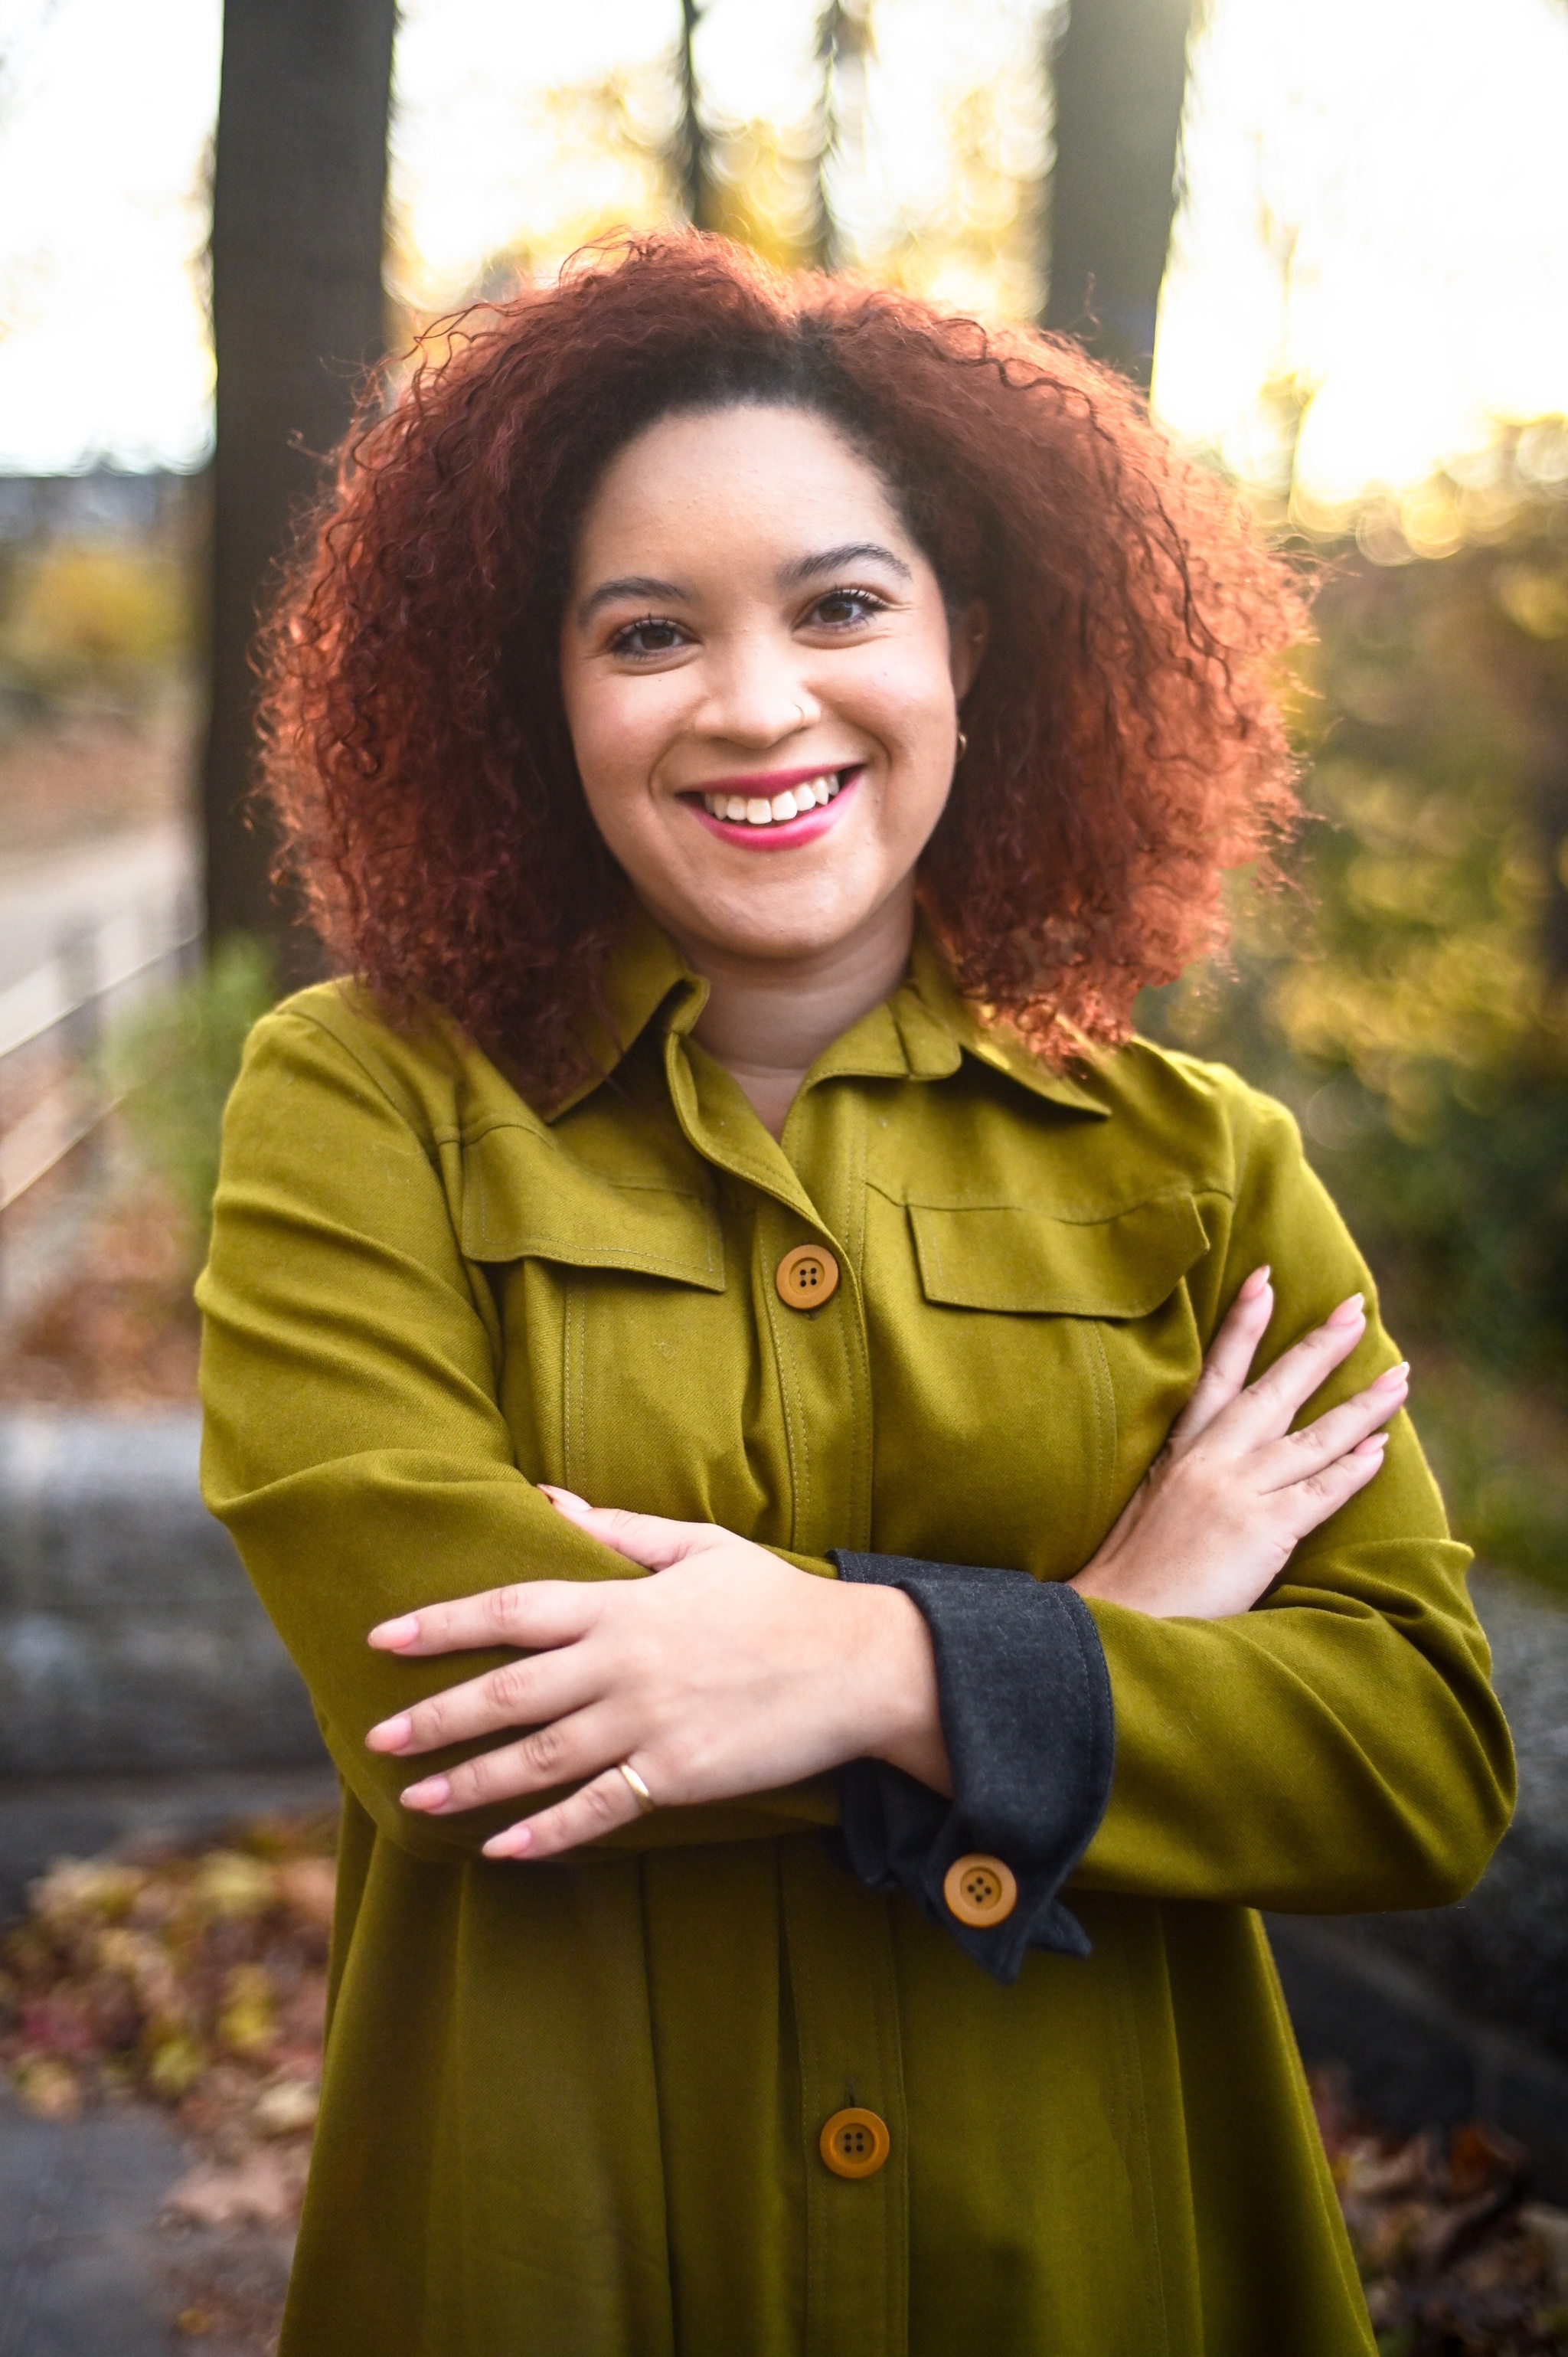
<point x="750" y="742"/>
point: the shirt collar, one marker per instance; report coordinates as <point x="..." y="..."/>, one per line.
<point x="923" y="1032"/>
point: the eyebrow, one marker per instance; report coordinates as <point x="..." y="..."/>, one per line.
<point x="630" y="585"/>
<point x="833" y="560"/>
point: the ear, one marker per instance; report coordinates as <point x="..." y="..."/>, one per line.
<point x="970" y="637"/>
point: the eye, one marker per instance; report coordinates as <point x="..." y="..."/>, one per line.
<point x="651" y="636"/>
<point x="840" y="609"/>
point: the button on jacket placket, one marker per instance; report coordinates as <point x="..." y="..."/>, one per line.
<point x="838" y="1938"/>
<point x="820" y="1357"/>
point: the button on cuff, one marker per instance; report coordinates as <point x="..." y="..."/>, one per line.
<point x="1026" y="1713"/>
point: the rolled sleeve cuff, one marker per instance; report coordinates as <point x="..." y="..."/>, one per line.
<point x="1025" y="1700"/>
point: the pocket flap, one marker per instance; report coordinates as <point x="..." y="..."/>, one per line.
<point x="1010" y="1257"/>
<point x="524" y="1199"/>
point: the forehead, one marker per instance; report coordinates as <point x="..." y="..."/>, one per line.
<point x="754" y="473"/>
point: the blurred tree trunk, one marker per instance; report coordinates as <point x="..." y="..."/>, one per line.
<point x="1120" y="79"/>
<point x="298" y="197"/>
<point x="694" y="156"/>
<point x="842" y="47"/>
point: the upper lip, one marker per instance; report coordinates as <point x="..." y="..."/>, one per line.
<point x="763" y="787"/>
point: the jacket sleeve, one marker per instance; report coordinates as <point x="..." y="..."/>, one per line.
<point x="1338" y="1749"/>
<point x="353" y="1443"/>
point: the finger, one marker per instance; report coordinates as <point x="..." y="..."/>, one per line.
<point x="525" y="1693"/>
<point x="654" y="1541"/>
<point x="1311" y="1501"/>
<point x="1230" y="1355"/>
<point x="531" y="1613"/>
<point x="601" y="1807"/>
<point x="566" y="1752"/>
<point x="1336" y="1433"/>
<point x="1264" y="1411"/>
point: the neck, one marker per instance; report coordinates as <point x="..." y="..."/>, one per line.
<point x="768" y="1020"/>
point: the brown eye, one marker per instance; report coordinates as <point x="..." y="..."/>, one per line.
<point x="841" y="608"/>
<point x="650" y="637"/>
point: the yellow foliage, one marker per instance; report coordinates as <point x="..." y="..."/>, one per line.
<point x="96" y="617"/>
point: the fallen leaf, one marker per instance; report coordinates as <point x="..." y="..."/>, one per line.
<point x="261" y="2190"/>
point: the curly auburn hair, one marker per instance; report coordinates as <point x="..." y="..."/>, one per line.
<point x="1126" y="745"/>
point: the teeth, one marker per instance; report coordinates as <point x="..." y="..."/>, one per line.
<point x="741" y="810"/>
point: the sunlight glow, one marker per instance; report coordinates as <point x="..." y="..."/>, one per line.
<point x="1374" y="244"/>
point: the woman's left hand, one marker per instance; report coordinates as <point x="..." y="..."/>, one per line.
<point x="726" y="1672"/>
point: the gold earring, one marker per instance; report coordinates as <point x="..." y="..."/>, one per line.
<point x="962" y="746"/>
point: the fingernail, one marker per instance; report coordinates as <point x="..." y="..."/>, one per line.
<point x="1394" y="1379"/>
<point x="511" y="1843"/>
<point x="396" y="1633"/>
<point x="1349" y="1312"/>
<point x="392" y="1733"/>
<point x="430" y="1795"/>
<point x="568" y="1499"/>
<point x="1254" y="1283"/>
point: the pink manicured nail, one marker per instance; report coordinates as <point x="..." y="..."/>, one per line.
<point x="1254" y="1284"/>
<point x="1349" y="1313"/>
<point x="511" y="1843"/>
<point x="393" y="1633"/>
<point x="392" y="1733"/>
<point x="568" y="1499"/>
<point x="1393" y="1380"/>
<point x="430" y="1795"/>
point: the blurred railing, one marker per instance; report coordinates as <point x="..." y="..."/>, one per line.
<point x="68" y="1005"/>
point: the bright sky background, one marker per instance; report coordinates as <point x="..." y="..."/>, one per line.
<point x="1378" y="198"/>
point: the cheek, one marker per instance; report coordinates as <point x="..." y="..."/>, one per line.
<point x="619" y="726"/>
<point x="904" y="693"/>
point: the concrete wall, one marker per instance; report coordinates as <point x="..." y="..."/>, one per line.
<point x="131" y="1641"/>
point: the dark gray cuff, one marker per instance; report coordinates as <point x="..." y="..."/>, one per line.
<point x="1025" y="1698"/>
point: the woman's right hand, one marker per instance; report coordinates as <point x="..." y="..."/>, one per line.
<point x="1214" y="1522"/>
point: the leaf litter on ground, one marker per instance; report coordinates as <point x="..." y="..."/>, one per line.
<point x="194" y="1975"/>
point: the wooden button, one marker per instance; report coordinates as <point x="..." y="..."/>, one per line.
<point x="855" y="2143"/>
<point x="980" y="1891"/>
<point x="807" y="1276"/>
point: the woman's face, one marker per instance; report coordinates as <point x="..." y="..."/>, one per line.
<point x="761" y="683"/>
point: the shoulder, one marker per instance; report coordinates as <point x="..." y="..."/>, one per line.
<point x="1199" y="1119"/>
<point x="333" y="1043"/>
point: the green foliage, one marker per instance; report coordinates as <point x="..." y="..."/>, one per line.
<point x="1412" y="1007"/>
<point x="175" y="1062"/>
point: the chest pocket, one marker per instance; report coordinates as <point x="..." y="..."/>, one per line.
<point x="523" y="1200"/>
<point x="620" y="1376"/>
<point x="1060" y="1350"/>
<point x="1013" y="1257"/>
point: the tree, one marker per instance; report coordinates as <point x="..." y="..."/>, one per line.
<point x="693" y="155"/>
<point x="299" y="197"/>
<point x="1120" y="77"/>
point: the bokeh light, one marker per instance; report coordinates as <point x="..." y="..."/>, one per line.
<point x="1369" y="272"/>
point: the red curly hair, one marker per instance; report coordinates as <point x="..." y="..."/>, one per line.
<point x="1126" y="745"/>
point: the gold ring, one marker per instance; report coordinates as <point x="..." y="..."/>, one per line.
<point x="638" y="1789"/>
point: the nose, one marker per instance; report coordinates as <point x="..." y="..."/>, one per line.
<point x="755" y="692"/>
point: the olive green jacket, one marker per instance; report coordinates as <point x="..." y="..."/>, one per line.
<point x="575" y="2108"/>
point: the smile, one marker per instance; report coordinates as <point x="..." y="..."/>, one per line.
<point x="797" y="811"/>
<point x="756" y="811"/>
